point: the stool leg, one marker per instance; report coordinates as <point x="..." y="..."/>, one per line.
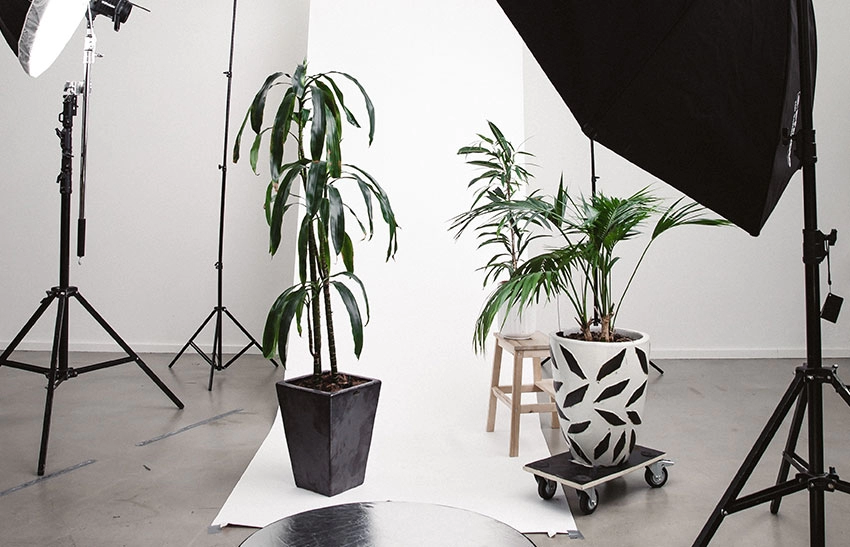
<point x="516" y="402"/>
<point x="494" y="381"/>
<point x="538" y="375"/>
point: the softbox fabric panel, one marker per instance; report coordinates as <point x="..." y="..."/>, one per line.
<point x="700" y="93"/>
<point x="12" y="17"/>
<point x="37" y="30"/>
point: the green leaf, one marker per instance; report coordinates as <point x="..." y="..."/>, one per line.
<point x="279" y="321"/>
<point x="332" y="139"/>
<point x="280" y="132"/>
<point x="317" y="178"/>
<point x="317" y="129"/>
<point x="503" y="143"/>
<point x="353" y="314"/>
<point x="281" y="205"/>
<point x="348" y="254"/>
<point x="337" y="218"/>
<point x="348" y="114"/>
<point x="258" y="106"/>
<point x="299" y="79"/>
<point x="472" y="150"/>
<point x="333" y="131"/>
<point x="238" y="143"/>
<point x="386" y="210"/>
<point x="267" y="205"/>
<point x="370" y="108"/>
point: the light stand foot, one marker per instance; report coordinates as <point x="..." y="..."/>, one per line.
<point x="59" y="371"/>
<point x="215" y="359"/>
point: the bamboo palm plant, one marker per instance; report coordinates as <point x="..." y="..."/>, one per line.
<point x="309" y="118"/>
<point x="501" y="213"/>
<point x="582" y="268"/>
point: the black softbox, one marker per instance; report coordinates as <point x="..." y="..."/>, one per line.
<point x="703" y="94"/>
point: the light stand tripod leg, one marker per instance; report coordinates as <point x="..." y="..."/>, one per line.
<point x="247" y="335"/>
<point x="217" y="355"/>
<point x="191" y="340"/>
<point x="127" y="349"/>
<point x="790" y="446"/>
<point x="840" y="387"/>
<point x="4" y="358"/>
<point x="724" y="506"/>
<point x="53" y="379"/>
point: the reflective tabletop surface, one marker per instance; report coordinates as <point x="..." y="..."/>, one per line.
<point x="385" y="524"/>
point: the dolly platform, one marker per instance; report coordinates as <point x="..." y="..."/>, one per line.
<point x="560" y="469"/>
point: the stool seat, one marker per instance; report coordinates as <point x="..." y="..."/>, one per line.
<point x="535" y="348"/>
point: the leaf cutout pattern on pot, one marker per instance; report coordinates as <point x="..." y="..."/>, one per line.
<point x="610" y="417"/>
<point x="578" y="427"/>
<point x="602" y="447"/>
<point x="557" y="385"/>
<point x="618" y="448"/>
<point x="644" y="360"/>
<point x="612" y="391"/>
<point x="575" y="397"/>
<point x="572" y="363"/>
<point x="578" y="455"/>
<point x="636" y="395"/>
<point x="634" y="417"/>
<point x="632" y="442"/>
<point x="612" y="366"/>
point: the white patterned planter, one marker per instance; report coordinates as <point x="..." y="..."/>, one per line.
<point x="600" y="390"/>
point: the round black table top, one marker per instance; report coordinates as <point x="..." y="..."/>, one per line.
<point x="387" y="524"/>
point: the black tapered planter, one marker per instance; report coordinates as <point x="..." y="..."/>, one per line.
<point x="328" y="434"/>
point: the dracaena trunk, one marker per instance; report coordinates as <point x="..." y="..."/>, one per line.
<point x="316" y="345"/>
<point x="326" y="293"/>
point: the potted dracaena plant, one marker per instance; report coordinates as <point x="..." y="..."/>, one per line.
<point x="327" y="415"/>
<point x="504" y="216"/>
<point x="599" y="369"/>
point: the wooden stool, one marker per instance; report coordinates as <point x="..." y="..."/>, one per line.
<point x="535" y="348"/>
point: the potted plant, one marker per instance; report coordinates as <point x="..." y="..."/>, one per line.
<point x="599" y="370"/>
<point x="327" y="415"/>
<point x="503" y="216"/>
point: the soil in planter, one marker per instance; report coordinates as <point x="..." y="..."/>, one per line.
<point x="329" y="383"/>
<point x="597" y="337"/>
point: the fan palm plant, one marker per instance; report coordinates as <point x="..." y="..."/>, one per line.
<point x="582" y="268"/>
<point x="309" y="118"/>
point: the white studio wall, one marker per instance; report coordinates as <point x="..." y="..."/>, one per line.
<point x="156" y="127"/>
<point x="436" y="72"/>
<point x="718" y="292"/>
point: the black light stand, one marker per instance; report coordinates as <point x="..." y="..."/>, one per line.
<point x="809" y="379"/>
<point x="59" y="371"/>
<point x="216" y="358"/>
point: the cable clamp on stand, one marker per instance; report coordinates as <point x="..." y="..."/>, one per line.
<point x="816" y="245"/>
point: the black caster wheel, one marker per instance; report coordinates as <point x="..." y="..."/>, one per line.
<point x="545" y="488"/>
<point x="587" y="502"/>
<point x="653" y="480"/>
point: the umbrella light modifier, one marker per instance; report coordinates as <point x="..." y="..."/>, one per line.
<point x="703" y="94"/>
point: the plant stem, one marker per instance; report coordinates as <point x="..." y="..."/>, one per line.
<point x="324" y="271"/>
<point x="312" y="254"/>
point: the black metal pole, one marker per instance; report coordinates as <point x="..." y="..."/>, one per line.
<point x="812" y="260"/>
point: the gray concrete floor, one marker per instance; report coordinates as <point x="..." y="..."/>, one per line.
<point x="705" y="414"/>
